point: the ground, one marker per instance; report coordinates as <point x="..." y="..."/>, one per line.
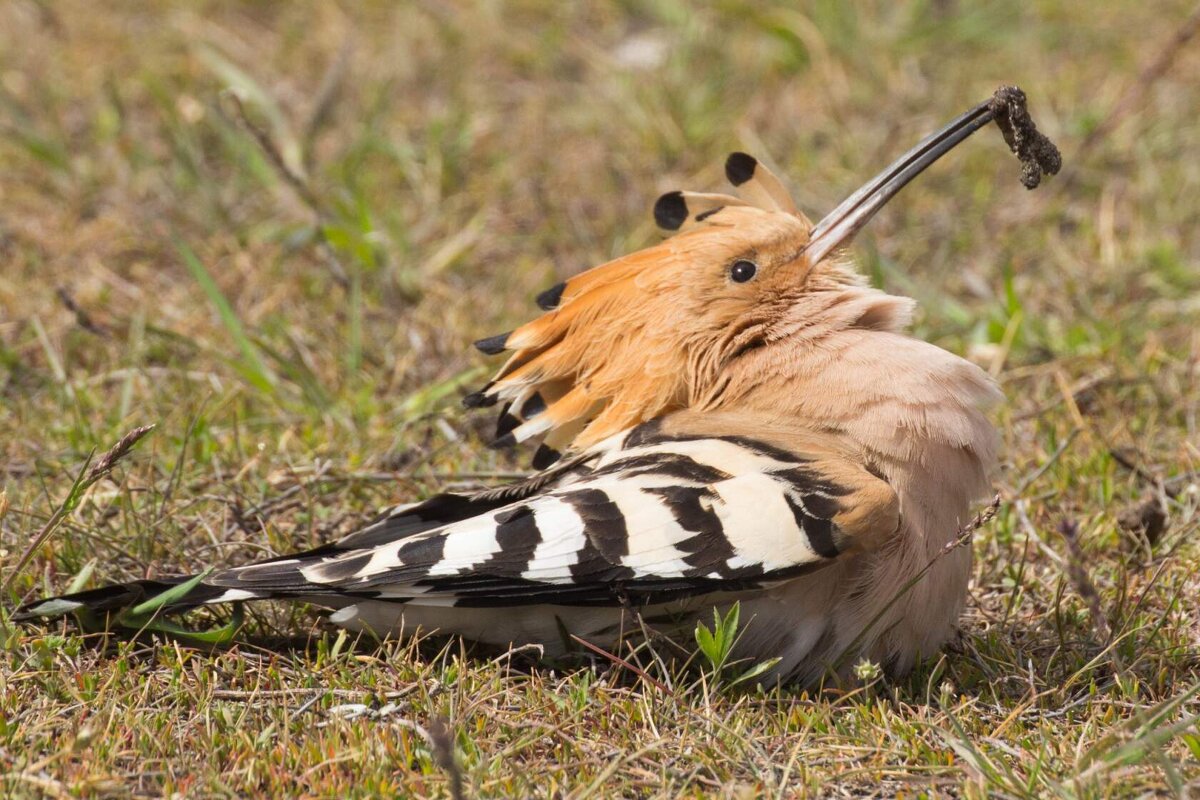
<point x="272" y="231"/>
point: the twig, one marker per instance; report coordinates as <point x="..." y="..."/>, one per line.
<point x="273" y="154"/>
<point x="1131" y="465"/>
<point x="1170" y="486"/>
<point x="967" y="532"/>
<point x="616" y="659"/>
<point x="494" y="474"/>
<point x="1020" y="507"/>
<point x="82" y="318"/>
<point x="1082" y="582"/>
<point x="296" y="182"/>
<point x="1149" y="515"/>
<point x="1080" y="390"/>
<point x="307" y="704"/>
<point x="326" y="98"/>
<point x="507" y="656"/>
<point x="84" y="480"/>
<point x="443" y="755"/>
<point x="1049" y="462"/>
<point x="1125" y="105"/>
<point x="177" y="470"/>
<point x="250" y="695"/>
<point x="1149" y="74"/>
<point x="963" y="537"/>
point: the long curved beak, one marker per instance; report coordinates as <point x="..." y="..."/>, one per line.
<point x="840" y="225"/>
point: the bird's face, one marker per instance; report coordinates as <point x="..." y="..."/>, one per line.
<point x="650" y="332"/>
<point x="740" y="261"/>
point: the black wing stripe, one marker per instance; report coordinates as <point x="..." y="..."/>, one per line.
<point x="343" y="569"/>
<point x="708" y="550"/>
<point x="422" y="554"/>
<point x="603" y="522"/>
<point x="650" y="433"/>
<point x="818" y="531"/>
<point x="674" y="466"/>
<point x="808" y="481"/>
<point x="517" y="537"/>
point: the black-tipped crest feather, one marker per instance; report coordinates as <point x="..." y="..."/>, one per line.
<point x="493" y="344"/>
<point x="549" y="299"/>
<point x="739" y="167"/>
<point x="670" y="211"/>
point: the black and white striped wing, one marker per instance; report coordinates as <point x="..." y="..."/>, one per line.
<point x="644" y="519"/>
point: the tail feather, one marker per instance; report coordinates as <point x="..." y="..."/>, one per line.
<point x="278" y="577"/>
<point x="121" y="596"/>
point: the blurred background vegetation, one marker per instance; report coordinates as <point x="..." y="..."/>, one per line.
<point x="273" y="229"/>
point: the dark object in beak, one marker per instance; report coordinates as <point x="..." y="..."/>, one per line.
<point x="1006" y="107"/>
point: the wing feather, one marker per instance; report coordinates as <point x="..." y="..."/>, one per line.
<point x="643" y="516"/>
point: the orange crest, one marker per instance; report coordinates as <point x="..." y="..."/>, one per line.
<point x="649" y="333"/>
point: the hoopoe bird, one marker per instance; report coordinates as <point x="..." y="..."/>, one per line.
<point x="732" y="415"/>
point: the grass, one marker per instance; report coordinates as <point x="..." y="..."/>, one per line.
<point x="295" y="320"/>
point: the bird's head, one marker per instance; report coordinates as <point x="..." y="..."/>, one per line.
<point x="660" y="329"/>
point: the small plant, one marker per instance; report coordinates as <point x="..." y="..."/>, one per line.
<point x="146" y="616"/>
<point x="867" y="671"/>
<point x="717" y="645"/>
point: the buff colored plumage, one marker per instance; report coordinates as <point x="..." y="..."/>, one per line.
<point x="730" y="415"/>
<point x="806" y="357"/>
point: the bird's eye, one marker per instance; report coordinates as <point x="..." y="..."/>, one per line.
<point x="742" y="271"/>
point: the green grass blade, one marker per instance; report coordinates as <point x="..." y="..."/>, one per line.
<point x="163" y="599"/>
<point x="252" y="369"/>
<point x="215" y="637"/>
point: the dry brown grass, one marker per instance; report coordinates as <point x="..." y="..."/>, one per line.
<point x="461" y="157"/>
